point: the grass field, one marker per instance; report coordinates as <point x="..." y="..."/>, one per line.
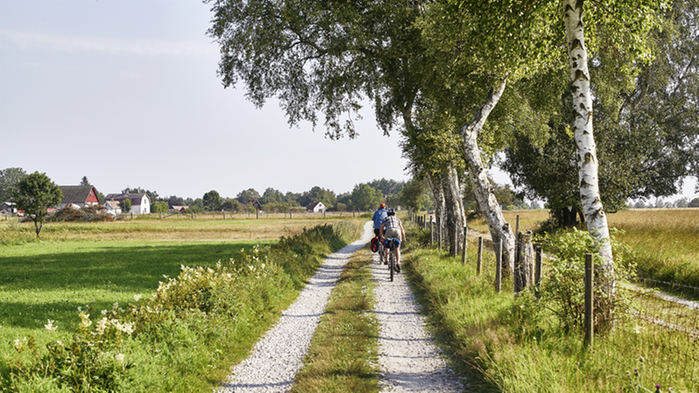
<point x="98" y="264"/>
<point x="664" y="243"/>
<point x="185" y="338"/>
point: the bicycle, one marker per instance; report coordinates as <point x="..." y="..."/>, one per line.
<point x="382" y="255"/>
<point x="392" y="255"/>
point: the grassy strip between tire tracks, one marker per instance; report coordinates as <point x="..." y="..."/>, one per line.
<point x="344" y="351"/>
<point x="187" y="335"/>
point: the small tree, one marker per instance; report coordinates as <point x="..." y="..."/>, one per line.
<point x="159" y="207"/>
<point x="125" y="205"/>
<point x="212" y="201"/>
<point x="33" y="194"/>
<point x="9" y="178"/>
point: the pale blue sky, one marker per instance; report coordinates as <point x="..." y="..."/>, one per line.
<point x="126" y="93"/>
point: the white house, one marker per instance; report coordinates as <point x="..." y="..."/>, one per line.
<point x="316" y="207"/>
<point x="140" y="202"/>
<point x="112" y="207"/>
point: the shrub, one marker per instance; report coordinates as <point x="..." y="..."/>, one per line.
<point x="563" y="290"/>
<point x="86" y="214"/>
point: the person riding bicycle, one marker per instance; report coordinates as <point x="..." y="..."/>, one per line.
<point x="379" y="215"/>
<point x="392" y="227"/>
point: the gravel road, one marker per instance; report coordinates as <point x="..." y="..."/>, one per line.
<point x="278" y="356"/>
<point x="408" y="358"/>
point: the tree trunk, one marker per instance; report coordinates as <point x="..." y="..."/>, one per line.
<point x="439" y="205"/>
<point x="499" y="228"/>
<point x="584" y="139"/>
<point x="455" y="218"/>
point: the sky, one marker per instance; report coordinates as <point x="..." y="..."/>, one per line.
<point x="127" y="93"/>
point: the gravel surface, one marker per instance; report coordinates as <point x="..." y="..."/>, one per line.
<point x="408" y="358"/>
<point x="278" y="356"/>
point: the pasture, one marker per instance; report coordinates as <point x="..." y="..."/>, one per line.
<point x="76" y="265"/>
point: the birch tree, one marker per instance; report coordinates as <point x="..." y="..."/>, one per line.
<point x="642" y="17"/>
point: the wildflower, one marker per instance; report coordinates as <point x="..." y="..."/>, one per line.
<point x="120" y="358"/>
<point x="59" y="342"/>
<point x="85" y="320"/>
<point x="136" y="297"/>
<point x="50" y="326"/>
<point x="103" y="312"/>
<point x="19" y="345"/>
<point x="80" y="308"/>
<point x="102" y="325"/>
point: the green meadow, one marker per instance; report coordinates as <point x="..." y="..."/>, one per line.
<point x="47" y="279"/>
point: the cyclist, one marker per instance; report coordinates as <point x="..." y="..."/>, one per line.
<point x="392" y="227"/>
<point x="379" y="215"/>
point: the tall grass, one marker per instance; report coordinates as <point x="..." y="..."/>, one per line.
<point x="184" y="337"/>
<point x="664" y="242"/>
<point x="517" y="345"/>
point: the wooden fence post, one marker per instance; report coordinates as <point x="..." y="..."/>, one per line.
<point x="589" y="300"/>
<point x="479" y="261"/>
<point x="523" y="274"/>
<point x="431" y="231"/>
<point x="455" y="240"/>
<point x="465" y="246"/>
<point x="498" y="267"/>
<point x="537" y="270"/>
<point x="161" y="215"/>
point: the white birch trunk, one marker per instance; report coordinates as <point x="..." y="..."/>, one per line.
<point x="584" y="139"/>
<point x="455" y="216"/>
<point x="499" y="228"/>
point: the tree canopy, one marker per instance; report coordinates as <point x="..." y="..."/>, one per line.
<point x="34" y="194"/>
<point x="9" y="177"/>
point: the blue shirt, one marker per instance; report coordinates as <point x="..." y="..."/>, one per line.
<point x="378" y="218"/>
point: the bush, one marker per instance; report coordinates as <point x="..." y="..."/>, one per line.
<point x="563" y="290"/>
<point x="86" y="214"/>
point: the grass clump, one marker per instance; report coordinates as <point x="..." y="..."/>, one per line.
<point x="185" y="336"/>
<point x="343" y="354"/>
<point x="525" y="343"/>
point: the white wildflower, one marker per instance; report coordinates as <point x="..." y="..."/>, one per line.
<point x="50" y="326"/>
<point x="102" y="325"/>
<point x="103" y="312"/>
<point x="85" y="320"/>
<point x="136" y="297"/>
<point x="120" y="358"/>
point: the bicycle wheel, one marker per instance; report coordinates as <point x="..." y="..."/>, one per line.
<point x="391" y="262"/>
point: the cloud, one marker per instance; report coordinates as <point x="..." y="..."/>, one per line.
<point x="111" y="46"/>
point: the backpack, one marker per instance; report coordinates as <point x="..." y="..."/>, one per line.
<point x="375" y="244"/>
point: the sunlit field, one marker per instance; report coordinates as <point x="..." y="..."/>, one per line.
<point x="664" y="243"/>
<point x="73" y="265"/>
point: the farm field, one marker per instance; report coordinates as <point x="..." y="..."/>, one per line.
<point x="662" y="242"/>
<point x="74" y="265"/>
